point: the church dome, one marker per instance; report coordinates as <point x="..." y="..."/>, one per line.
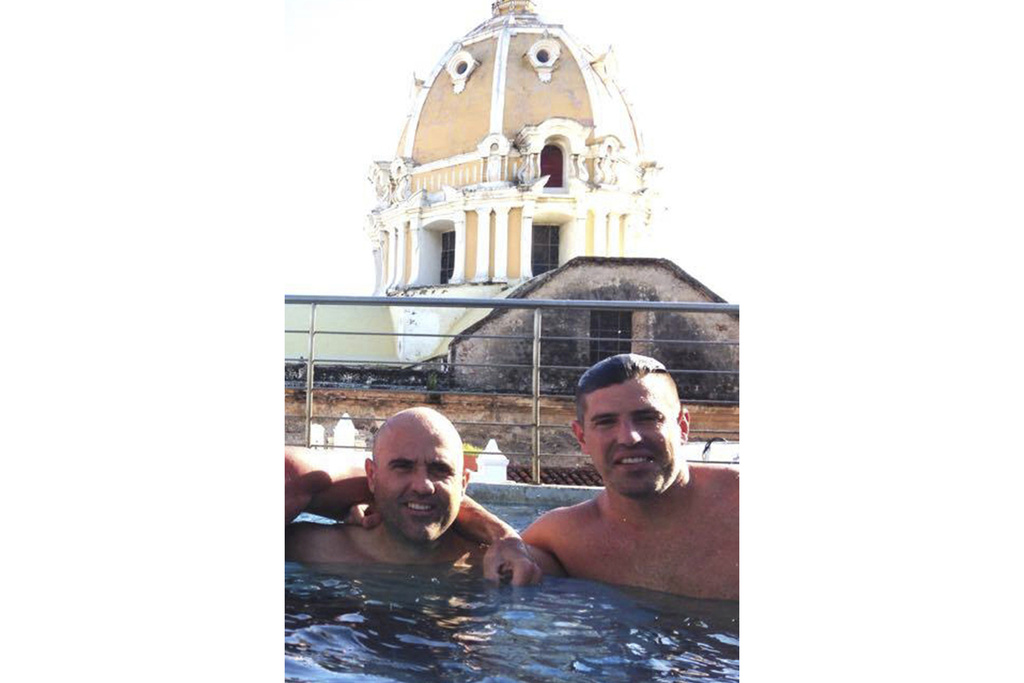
<point x="513" y="72"/>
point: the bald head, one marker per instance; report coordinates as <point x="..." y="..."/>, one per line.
<point x="417" y="475"/>
<point x="418" y="423"/>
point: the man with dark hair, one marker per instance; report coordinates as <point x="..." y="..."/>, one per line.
<point x="417" y="482"/>
<point x="659" y="523"/>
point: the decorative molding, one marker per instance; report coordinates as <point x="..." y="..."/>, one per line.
<point x="401" y="174"/>
<point x="531" y="139"/>
<point x="543" y="57"/>
<point x="607" y="65"/>
<point x="460" y="67"/>
<point x="380" y="177"/>
<point x="498" y="84"/>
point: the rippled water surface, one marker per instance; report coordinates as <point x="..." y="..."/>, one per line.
<point x="412" y="624"/>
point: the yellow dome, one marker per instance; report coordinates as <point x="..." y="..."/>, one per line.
<point x="512" y="71"/>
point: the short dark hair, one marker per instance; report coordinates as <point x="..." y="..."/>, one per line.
<point x="616" y="370"/>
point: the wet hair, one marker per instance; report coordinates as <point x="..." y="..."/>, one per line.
<point x="616" y="370"/>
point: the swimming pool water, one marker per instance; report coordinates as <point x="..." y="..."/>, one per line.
<point x="438" y="624"/>
<point x="370" y="624"/>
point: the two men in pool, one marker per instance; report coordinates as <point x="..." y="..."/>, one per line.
<point x="658" y="523"/>
<point x="417" y="481"/>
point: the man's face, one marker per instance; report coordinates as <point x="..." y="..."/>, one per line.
<point x="417" y="482"/>
<point x="633" y="432"/>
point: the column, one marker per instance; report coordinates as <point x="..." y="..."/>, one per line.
<point x="378" y="272"/>
<point x="416" y="251"/>
<point x="392" y="276"/>
<point x="578" y="242"/>
<point x="400" y="256"/>
<point x="613" y="234"/>
<point x="459" y="274"/>
<point x="501" y="243"/>
<point x="483" y="244"/>
<point x="526" y="243"/>
<point x="600" y="233"/>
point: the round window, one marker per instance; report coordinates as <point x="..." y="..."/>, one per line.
<point x="543" y="56"/>
<point x="461" y="68"/>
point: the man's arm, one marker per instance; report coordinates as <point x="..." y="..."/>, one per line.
<point x="316" y="483"/>
<point x="542" y="537"/>
<point x="507" y="558"/>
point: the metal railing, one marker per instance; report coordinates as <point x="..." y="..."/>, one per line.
<point x="448" y="365"/>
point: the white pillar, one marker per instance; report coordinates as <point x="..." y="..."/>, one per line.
<point x="526" y="243"/>
<point x="483" y="244"/>
<point x="501" y="243"/>
<point x="378" y="271"/>
<point x="415" y="251"/>
<point x="630" y="241"/>
<point x="613" y="234"/>
<point x="600" y="233"/>
<point x="459" y="273"/>
<point x="392" y="256"/>
<point x="400" y="260"/>
<point x="578" y="242"/>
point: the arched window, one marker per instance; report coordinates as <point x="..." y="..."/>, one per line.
<point x="551" y="164"/>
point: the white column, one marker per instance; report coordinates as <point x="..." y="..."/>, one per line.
<point x="501" y="243"/>
<point x="629" y="236"/>
<point x="577" y="243"/>
<point x="400" y="260"/>
<point x="526" y="243"/>
<point x="378" y="273"/>
<point x="613" y="234"/>
<point x="415" y="251"/>
<point x="483" y="244"/>
<point x="600" y="233"/>
<point x="392" y="258"/>
<point x="459" y="274"/>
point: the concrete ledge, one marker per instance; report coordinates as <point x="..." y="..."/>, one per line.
<point x="548" y="495"/>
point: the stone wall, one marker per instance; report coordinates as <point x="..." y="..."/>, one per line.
<point x="369" y="407"/>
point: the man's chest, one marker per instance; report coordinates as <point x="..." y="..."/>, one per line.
<point x="688" y="561"/>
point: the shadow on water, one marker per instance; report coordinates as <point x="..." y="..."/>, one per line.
<point x="347" y="623"/>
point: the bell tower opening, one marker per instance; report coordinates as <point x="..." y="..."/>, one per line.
<point x="551" y="163"/>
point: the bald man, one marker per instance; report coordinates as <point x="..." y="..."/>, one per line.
<point x="418" y="483"/>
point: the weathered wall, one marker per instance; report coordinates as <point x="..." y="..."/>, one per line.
<point x="701" y="359"/>
<point x="369" y="408"/>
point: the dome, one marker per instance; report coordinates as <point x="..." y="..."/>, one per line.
<point x="519" y="153"/>
<point x="512" y="72"/>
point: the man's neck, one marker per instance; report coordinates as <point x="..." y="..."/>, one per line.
<point x="641" y="510"/>
<point x="388" y="545"/>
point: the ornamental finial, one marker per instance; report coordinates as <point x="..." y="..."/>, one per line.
<point x="513" y="7"/>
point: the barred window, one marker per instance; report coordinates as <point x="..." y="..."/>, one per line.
<point x="447" y="256"/>
<point x="611" y="333"/>
<point x="545" y="249"/>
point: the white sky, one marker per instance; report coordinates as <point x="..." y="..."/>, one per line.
<point x="349" y="80"/>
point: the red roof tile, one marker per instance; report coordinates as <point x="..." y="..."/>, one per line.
<point x="566" y="476"/>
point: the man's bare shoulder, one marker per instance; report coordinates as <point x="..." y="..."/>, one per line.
<point x="720" y="482"/>
<point x="552" y="526"/>
<point x="312" y="542"/>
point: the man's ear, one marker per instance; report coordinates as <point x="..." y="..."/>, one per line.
<point x="684" y="424"/>
<point x="465" y="478"/>
<point x="577" y="430"/>
<point x="371" y="469"/>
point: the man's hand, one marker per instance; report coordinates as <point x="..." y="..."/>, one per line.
<point x="508" y="560"/>
<point x="364" y="515"/>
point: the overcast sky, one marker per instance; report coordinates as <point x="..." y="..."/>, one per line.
<point x="349" y="81"/>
